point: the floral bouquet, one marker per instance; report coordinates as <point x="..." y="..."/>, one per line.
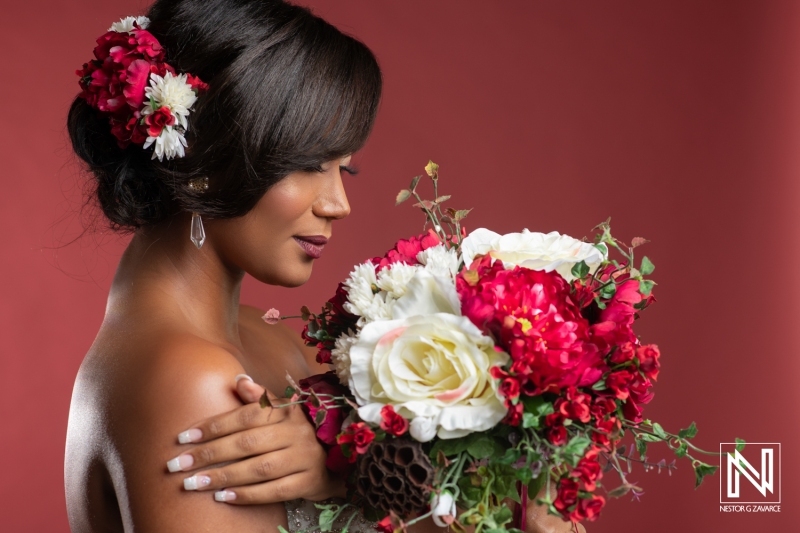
<point x="472" y="370"/>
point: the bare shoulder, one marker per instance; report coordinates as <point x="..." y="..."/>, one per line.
<point x="274" y="346"/>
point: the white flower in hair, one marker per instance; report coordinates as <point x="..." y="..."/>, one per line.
<point x="125" y="25"/>
<point x="169" y="144"/>
<point x="173" y="92"/>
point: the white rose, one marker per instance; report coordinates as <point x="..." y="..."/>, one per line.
<point x="443" y="508"/>
<point x="427" y="294"/>
<point x="434" y="367"/>
<point x="537" y="251"/>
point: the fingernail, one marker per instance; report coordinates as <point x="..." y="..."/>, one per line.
<point x="182" y="462"/>
<point x="190" y="435"/>
<point x="196" y="482"/>
<point x="224" y="496"/>
<point x="243" y="376"/>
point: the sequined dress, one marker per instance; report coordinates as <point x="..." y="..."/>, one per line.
<point x="302" y="515"/>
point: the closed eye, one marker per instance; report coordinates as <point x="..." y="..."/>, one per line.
<point x="350" y="170"/>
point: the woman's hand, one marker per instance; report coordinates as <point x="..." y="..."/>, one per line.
<point x="273" y="454"/>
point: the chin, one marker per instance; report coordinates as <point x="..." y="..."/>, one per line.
<point x="286" y="278"/>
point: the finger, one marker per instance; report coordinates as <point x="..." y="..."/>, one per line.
<point x="277" y="491"/>
<point x="263" y="468"/>
<point x="242" y="418"/>
<point x="248" y="443"/>
<point x="248" y="390"/>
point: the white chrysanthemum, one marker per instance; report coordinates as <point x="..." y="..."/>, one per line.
<point x="171" y="92"/>
<point x="169" y="144"/>
<point x="340" y="355"/>
<point x="394" y="280"/>
<point x="439" y="261"/>
<point x="365" y="300"/>
<point x="125" y="25"/>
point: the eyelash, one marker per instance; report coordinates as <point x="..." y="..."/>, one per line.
<point x="342" y="168"/>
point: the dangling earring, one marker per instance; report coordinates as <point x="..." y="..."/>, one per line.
<point x="198" y="233"/>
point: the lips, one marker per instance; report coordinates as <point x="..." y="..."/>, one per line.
<point x="312" y="244"/>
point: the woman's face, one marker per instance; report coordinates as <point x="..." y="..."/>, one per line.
<point x="278" y="240"/>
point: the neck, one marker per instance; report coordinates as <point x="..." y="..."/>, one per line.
<point x="163" y="270"/>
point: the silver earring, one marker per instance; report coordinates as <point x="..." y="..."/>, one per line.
<point x="198" y="233"/>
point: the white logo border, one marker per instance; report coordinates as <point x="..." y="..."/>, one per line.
<point x="722" y="475"/>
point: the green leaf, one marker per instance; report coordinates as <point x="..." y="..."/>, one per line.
<point x="658" y="430"/>
<point x="402" y="196"/>
<point x="461" y="214"/>
<point x="620" y="491"/>
<point x="470" y="494"/>
<point x="289" y="392"/>
<point x="647" y="437"/>
<point x="530" y="420"/>
<point x="740" y="444"/>
<point x="450" y="447"/>
<point x="414" y="183"/>
<point x="689" y="432"/>
<point x="264" y="401"/>
<point x="575" y="447"/>
<point x="599" y="385"/>
<point x="681" y="450"/>
<point x="647" y="267"/>
<point x="580" y="269"/>
<point x="503" y="516"/>
<point x="536" y="485"/>
<point x="442" y="199"/>
<point x="537" y="405"/>
<point x="524" y="474"/>
<point x="641" y="447"/>
<point x="608" y="291"/>
<point x="485" y="446"/>
<point x="646" y="286"/>
<point x="702" y="470"/>
<point x="282" y="529"/>
<point x="511" y="456"/>
<point x="326" y="519"/>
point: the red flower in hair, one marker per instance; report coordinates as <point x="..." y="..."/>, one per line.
<point x="158" y="120"/>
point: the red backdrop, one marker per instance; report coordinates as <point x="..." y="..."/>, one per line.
<point x="679" y="119"/>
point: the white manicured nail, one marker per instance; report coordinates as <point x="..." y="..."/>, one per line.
<point x="243" y="376"/>
<point x="224" y="496"/>
<point x="196" y="482"/>
<point x="190" y="435"/>
<point x="182" y="462"/>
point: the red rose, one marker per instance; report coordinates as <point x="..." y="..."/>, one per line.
<point x="648" y="360"/>
<point x="589" y="508"/>
<point x="509" y="388"/>
<point x="567" y="495"/>
<point x="158" y="120"/>
<point x="385" y="525"/>
<point x="602" y="406"/>
<point x="574" y="405"/>
<point x="323" y="355"/>
<point x="514" y="415"/>
<point x="557" y="435"/>
<point x="624" y="353"/>
<point x="337" y="462"/>
<point x="392" y="422"/>
<point x="359" y="436"/>
<point x="588" y="469"/>
<point x="617" y="382"/>
<point x="196" y="83"/>
<point x="606" y="431"/>
<point x="329" y="423"/>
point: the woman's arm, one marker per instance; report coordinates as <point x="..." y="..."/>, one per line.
<point x="189" y="381"/>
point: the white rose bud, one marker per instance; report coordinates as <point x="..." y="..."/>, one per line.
<point x="443" y="507"/>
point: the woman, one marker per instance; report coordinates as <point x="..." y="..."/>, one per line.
<point x="234" y="168"/>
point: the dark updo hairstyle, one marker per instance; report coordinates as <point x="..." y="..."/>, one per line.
<point x="287" y="92"/>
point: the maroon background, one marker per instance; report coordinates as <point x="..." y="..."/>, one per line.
<point x="679" y="119"/>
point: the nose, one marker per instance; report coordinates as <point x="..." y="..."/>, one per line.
<point x="332" y="203"/>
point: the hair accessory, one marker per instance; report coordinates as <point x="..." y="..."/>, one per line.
<point x="147" y="102"/>
<point x="198" y="184"/>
